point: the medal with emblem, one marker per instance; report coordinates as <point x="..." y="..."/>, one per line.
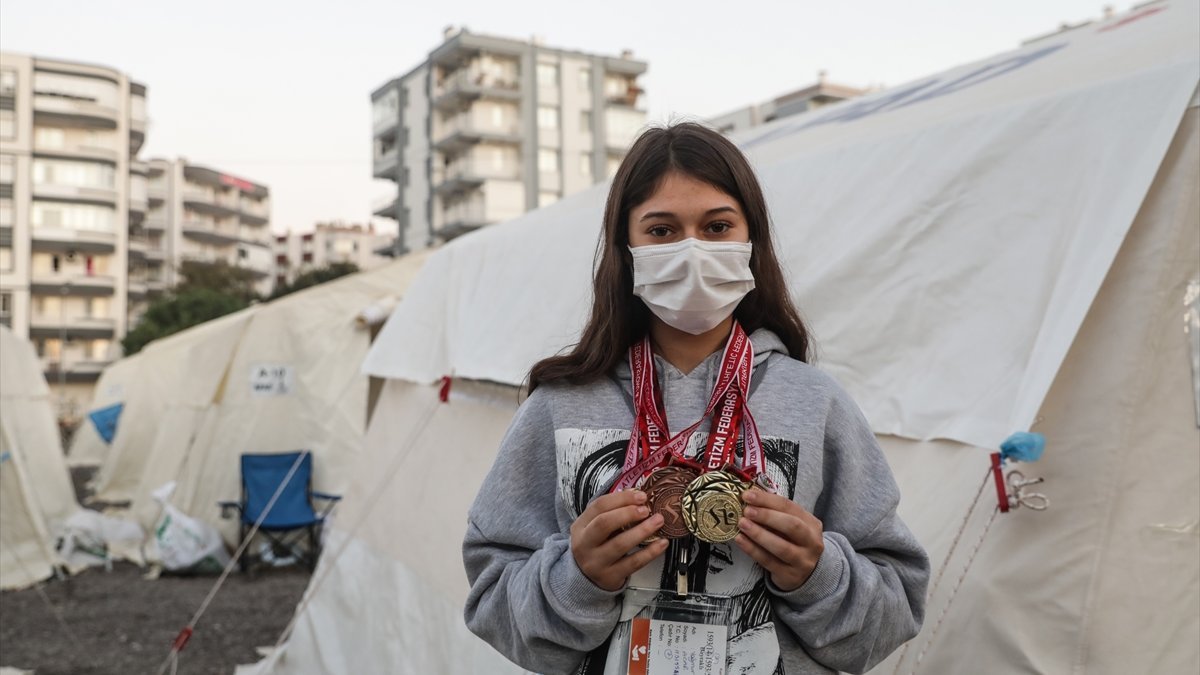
<point x="664" y="490"/>
<point x="712" y="505"/>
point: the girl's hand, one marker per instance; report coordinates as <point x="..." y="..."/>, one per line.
<point x="781" y="536"/>
<point x="602" y="547"/>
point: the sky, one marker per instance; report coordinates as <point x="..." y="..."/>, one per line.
<point x="279" y="92"/>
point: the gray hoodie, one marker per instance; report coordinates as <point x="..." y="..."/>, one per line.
<point x="565" y="447"/>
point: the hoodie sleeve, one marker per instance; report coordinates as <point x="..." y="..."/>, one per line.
<point x="866" y="595"/>
<point x="528" y="598"/>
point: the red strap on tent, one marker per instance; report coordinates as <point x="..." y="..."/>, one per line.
<point x="181" y="640"/>
<point x="998" y="474"/>
<point x="444" y="393"/>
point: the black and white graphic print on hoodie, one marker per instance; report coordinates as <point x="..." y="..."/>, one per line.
<point x="531" y="602"/>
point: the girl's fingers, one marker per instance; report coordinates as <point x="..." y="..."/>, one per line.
<point x="788" y="526"/>
<point x="616" y="548"/>
<point x="603" y="526"/>
<point x="636" y="561"/>
<point x="760" y="555"/>
<point x="772" y="543"/>
<point x="605" y="503"/>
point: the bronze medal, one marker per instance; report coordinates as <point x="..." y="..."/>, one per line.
<point x="664" y="491"/>
<point x="712" y="505"/>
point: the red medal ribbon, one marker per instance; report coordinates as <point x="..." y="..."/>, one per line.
<point x="649" y="448"/>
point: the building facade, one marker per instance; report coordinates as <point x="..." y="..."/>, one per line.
<point x="487" y="128"/>
<point x="72" y="201"/>
<point x="818" y="95"/>
<point x="199" y="214"/>
<point x="328" y="243"/>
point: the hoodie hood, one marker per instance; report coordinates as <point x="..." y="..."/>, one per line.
<point x="764" y="341"/>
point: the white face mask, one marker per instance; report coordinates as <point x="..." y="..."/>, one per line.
<point x="692" y="285"/>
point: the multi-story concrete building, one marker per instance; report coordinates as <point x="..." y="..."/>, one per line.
<point x="328" y="243"/>
<point x="821" y="94"/>
<point x="72" y="197"/>
<point x="487" y="128"/>
<point x="203" y="215"/>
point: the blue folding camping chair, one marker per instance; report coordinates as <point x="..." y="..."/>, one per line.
<point x="293" y="513"/>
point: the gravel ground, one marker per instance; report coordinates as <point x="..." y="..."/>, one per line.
<point x="118" y="623"/>
<point x="123" y="623"/>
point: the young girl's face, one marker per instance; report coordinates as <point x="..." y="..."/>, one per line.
<point x="684" y="207"/>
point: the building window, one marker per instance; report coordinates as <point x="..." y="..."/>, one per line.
<point x="547" y="75"/>
<point x="5" y="305"/>
<point x="585" y="79"/>
<point x="548" y="161"/>
<point x="73" y="216"/>
<point x="548" y="118"/>
<point x="77" y="174"/>
<point x="585" y="120"/>
<point x="547" y="198"/>
<point x="7" y="169"/>
<point x="6" y="259"/>
<point x="585" y="164"/>
<point x="8" y="82"/>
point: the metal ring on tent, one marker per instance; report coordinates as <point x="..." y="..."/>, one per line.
<point x="1018" y="496"/>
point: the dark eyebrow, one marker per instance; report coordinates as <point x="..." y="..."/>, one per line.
<point x="710" y="212"/>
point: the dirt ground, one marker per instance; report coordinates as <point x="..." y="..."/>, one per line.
<point x="126" y="624"/>
<point x="118" y="623"/>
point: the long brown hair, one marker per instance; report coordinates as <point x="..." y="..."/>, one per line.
<point x="618" y="316"/>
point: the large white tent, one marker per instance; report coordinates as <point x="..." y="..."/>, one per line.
<point x="36" y="496"/>
<point x="276" y="377"/>
<point x="1002" y="246"/>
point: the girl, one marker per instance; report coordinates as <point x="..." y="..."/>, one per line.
<point x="799" y="532"/>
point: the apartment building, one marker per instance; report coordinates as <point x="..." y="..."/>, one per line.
<point x="487" y="128"/>
<point x="72" y="197"/>
<point x="205" y="215"/>
<point x="817" y="95"/>
<point x="328" y="243"/>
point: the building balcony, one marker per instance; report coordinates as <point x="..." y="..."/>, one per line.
<point x="53" y="283"/>
<point x="137" y="135"/>
<point x="78" y="151"/>
<point x="58" y="239"/>
<point x="74" y="193"/>
<point x="464" y="176"/>
<point x="385" y="165"/>
<point x="458" y="222"/>
<point x="138" y="247"/>
<point x="137" y="288"/>
<point x="156" y="286"/>
<point x="74" y="112"/>
<point x="465" y="85"/>
<point x="83" y="370"/>
<point x="157" y="223"/>
<point x="156" y="193"/>
<point x="385" y="207"/>
<point x="210" y="232"/>
<point x="155" y="255"/>
<point x="253" y="213"/>
<point x="208" y="202"/>
<point x="461" y="133"/>
<point x="72" y="327"/>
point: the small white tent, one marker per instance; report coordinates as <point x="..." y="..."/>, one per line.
<point x="276" y="377"/>
<point x="36" y="496"/>
<point x="1000" y="246"/>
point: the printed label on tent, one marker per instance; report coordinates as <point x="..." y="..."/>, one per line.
<point x="271" y="380"/>
<point x="661" y="647"/>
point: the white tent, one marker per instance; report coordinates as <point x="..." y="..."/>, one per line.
<point x="1002" y="246"/>
<point x="88" y="449"/>
<point x="275" y="377"/>
<point x="36" y="496"/>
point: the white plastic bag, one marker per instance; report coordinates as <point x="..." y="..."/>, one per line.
<point x="88" y="538"/>
<point x="185" y="543"/>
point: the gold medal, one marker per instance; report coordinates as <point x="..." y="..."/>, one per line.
<point x="712" y="505"/>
